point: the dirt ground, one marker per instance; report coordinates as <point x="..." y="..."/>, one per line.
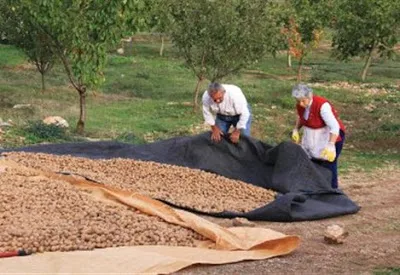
<point x="373" y="242"/>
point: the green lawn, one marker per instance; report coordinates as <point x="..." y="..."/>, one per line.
<point x="147" y="97"/>
<point x="388" y="271"/>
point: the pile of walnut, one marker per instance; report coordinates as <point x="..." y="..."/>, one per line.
<point x="181" y="186"/>
<point x="39" y="214"/>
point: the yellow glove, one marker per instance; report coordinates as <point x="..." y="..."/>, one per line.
<point x="295" y="136"/>
<point x="329" y="152"/>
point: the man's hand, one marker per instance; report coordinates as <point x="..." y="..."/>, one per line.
<point x="295" y="136"/>
<point x="329" y="152"/>
<point x="235" y="136"/>
<point x="216" y="133"/>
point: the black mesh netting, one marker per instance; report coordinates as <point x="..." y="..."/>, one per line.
<point x="306" y="193"/>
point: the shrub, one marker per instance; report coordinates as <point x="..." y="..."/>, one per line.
<point x="37" y="131"/>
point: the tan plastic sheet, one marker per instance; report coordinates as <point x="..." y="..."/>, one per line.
<point x="226" y="245"/>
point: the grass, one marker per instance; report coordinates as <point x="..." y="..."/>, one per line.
<point x="388" y="271"/>
<point x="10" y="56"/>
<point x="359" y="161"/>
<point x="147" y="97"/>
<point x="139" y="116"/>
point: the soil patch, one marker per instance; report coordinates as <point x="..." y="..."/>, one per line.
<point x="373" y="241"/>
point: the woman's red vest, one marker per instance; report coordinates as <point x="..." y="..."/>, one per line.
<point x="315" y="120"/>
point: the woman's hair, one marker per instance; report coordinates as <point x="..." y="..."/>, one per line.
<point x="301" y="90"/>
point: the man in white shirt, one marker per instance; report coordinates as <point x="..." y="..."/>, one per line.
<point x="225" y="106"/>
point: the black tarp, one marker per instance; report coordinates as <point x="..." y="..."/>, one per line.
<point x="304" y="187"/>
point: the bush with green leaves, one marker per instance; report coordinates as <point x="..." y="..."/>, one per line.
<point x="37" y="131"/>
<point x="129" y="137"/>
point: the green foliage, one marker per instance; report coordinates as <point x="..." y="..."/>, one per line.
<point x="387" y="271"/>
<point x="141" y="117"/>
<point x="281" y="12"/>
<point x="37" y="131"/>
<point x="156" y="15"/>
<point x="310" y="16"/>
<point x="218" y="38"/>
<point x="301" y="24"/>
<point x="364" y="25"/>
<point x="148" y="95"/>
<point x="20" y="31"/>
<point x="390" y="127"/>
<point x="10" y="56"/>
<point x="80" y="32"/>
<point x="129" y="137"/>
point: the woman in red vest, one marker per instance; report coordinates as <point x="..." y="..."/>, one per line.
<point x="323" y="131"/>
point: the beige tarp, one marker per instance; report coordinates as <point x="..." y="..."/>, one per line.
<point x="226" y="245"/>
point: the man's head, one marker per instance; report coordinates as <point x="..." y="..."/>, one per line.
<point x="216" y="91"/>
<point x="303" y="94"/>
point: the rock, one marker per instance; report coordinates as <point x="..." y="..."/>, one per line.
<point x="370" y="107"/>
<point x="56" y="120"/>
<point x="21" y="106"/>
<point x="5" y="124"/>
<point x="8" y="124"/>
<point x="129" y="39"/>
<point x="242" y="222"/>
<point x="120" y="51"/>
<point x="335" y="234"/>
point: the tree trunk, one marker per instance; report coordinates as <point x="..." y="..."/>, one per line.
<point x="80" y="127"/>
<point x="367" y="65"/>
<point x="162" y="45"/>
<point x="196" y="93"/>
<point x="299" y="70"/>
<point x="43" y="82"/>
<point x="131" y="46"/>
<point x="289" y="59"/>
<point x="200" y="78"/>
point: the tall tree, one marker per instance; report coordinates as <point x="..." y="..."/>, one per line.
<point x="20" y="32"/>
<point x="282" y="12"/>
<point x="304" y="28"/>
<point x="365" y="26"/>
<point x="218" y="38"/>
<point x="157" y="20"/>
<point x="80" y="32"/>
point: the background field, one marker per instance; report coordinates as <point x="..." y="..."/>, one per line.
<point x="147" y="97"/>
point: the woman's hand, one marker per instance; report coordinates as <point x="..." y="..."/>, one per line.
<point x="329" y="152"/>
<point x="295" y="136"/>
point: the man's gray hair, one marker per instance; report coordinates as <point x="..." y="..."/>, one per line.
<point x="301" y="90"/>
<point x="215" y="87"/>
